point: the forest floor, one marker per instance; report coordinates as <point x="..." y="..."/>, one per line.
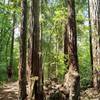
<point x="90" y="94"/>
<point x="9" y="91"/>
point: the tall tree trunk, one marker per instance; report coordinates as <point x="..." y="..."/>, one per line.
<point x="40" y="50"/>
<point x="12" y="41"/>
<point x="66" y="47"/>
<point x="72" y="79"/>
<point x="10" y="67"/>
<point x="35" y="61"/>
<point x="65" y="41"/>
<point x="95" y="22"/>
<point x="22" y="66"/>
<point x="90" y="39"/>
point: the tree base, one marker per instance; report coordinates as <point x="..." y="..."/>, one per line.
<point x="72" y="85"/>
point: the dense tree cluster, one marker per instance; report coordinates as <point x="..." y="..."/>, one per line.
<point x="52" y="47"/>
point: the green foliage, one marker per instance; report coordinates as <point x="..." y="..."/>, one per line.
<point x="83" y="43"/>
<point x="84" y="62"/>
<point x="6" y="26"/>
<point x="16" y="59"/>
<point x="3" y="71"/>
<point x="53" y="20"/>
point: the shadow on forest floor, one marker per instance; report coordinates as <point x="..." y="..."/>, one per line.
<point x="9" y="91"/>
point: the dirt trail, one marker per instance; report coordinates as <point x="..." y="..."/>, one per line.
<point x="9" y="91"/>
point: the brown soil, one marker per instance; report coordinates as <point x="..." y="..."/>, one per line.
<point x="9" y="91"/>
<point x="90" y="94"/>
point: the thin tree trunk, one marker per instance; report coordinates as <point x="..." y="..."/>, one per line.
<point x="66" y="47"/>
<point x="10" y="67"/>
<point x="12" y="41"/>
<point x="22" y="66"/>
<point x="90" y="39"/>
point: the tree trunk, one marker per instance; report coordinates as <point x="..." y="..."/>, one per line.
<point x="10" y="67"/>
<point x="66" y="47"/>
<point x="72" y="79"/>
<point x="90" y="39"/>
<point x="65" y="41"/>
<point x="35" y="61"/>
<point x="95" y="23"/>
<point x="22" y="66"/>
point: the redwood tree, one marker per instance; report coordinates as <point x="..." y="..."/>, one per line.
<point x="72" y="79"/>
<point x="22" y="66"/>
<point x="35" y="50"/>
<point x="90" y="39"/>
<point x="95" y="24"/>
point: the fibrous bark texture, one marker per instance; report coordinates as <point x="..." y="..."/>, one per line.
<point x="95" y="24"/>
<point x="35" y="50"/>
<point x="72" y="78"/>
<point x="22" y="66"/>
